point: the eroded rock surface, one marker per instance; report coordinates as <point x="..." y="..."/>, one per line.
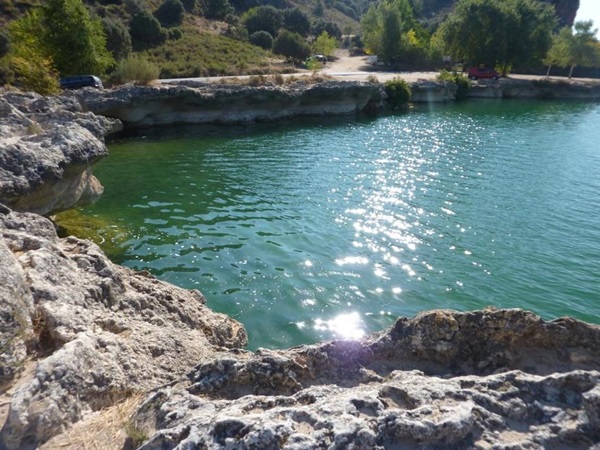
<point x="98" y="331"/>
<point x="48" y="146"/>
<point x="501" y="379"/>
<point x="195" y="103"/>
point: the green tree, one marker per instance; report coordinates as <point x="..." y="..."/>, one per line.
<point x="325" y="44"/>
<point x="558" y="54"/>
<point x="75" y="41"/>
<point x="296" y="21"/>
<point x="216" y="9"/>
<point x="292" y="46"/>
<point x="584" y="48"/>
<point x="170" y="13"/>
<point x="145" y="31"/>
<point x="262" y="39"/>
<point x="391" y="31"/>
<point x="118" y="40"/>
<point x="266" y="18"/>
<point x="497" y="33"/>
<point x="33" y="68"/>
<point x="4" y="43"/>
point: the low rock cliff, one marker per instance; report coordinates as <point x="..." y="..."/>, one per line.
<point x="49" y="146"/>
<point x="194" y="102"/>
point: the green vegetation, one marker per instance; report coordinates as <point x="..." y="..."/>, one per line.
<point x="135" y="69"/>
<point x="325" y="44"/>
<point x="292" y="46"/>
<point x="185" y="38"/>
<point x="205" y="54"/>
<point x="571" y="49"/>
<point x="398" y="92"/>
<point x="497" y="34"/>
<point x="391" y="31"/>
<point x="463" y="84"/>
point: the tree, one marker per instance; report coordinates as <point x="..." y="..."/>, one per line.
<point x="330" y="27"/>
<point x="118" y="40"/>
<point x="170" y="13"/>
<point x="296" y="21"/>
<point x="292" y="46"/>
<point x="4" y="43"/>
<point x="262" y="39"/>
<point x="216" y="9"/>
<point x="33" y="67"/>
<point x="145" y="31"/>
<point x="497" y="33"/>
<point x="574" y="48"/>
<point x="266" y="18"/>
<point x="392" y="32"/>
<point x="325" y="44"/>
<point x="75" y="42"/>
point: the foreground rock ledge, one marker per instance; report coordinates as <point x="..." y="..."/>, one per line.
<point x="99" y="333"/>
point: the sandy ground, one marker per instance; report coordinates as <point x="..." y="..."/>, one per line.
<point x="358" y="68"/>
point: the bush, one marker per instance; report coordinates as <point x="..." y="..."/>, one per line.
<point x="331" y="28"/>
<point x="296" y="21"/>
<point x="36" y="75"/>
<point x="145" y="31"/>
<point x="292" y="46"/>
<point x="463" y="84"/>
<point x="265" y="18"/>
<point x="190" y="5"/>
<point x="262" y="39"/>
<point x="170" y="13"/>
<point x="216" y="9"/>
<point x="398" y="92"/>
<point x="118" y="40"/>
<point x="4" y="43"/>
<point x="135" y="69"/>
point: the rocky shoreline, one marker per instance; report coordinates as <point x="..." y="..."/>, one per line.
<point x="82" y="337"/>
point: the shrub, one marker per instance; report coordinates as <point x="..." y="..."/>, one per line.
<point x="296" y="21"/>
<point x="463" y="84"/>
<point x="265" y="18"/>
<point x="216" y="9"/>
<point x="398" y="92"/>
<point x="36" y="75"/>
<point x="331" y="28"/>
<point x="262" y="39"/>
<point x="118" y="40"/>
<point x="170" y="13"/>
<point x="4" y="43"/>
<point x="190" y="5"/>
<point x="135" y="69"/>
<point x="145" y="31"/>
<point x="292" y="46"/>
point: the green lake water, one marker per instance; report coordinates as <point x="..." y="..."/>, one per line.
<point x="332" y="228"/>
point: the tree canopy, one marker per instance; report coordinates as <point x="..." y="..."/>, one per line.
<point x="497" y="33"/>
<point x="392" y="33"/>
<point x="292" y="46"/>
<point x="75" y="42"/>
<point x="571" y="48"/>
<point x="263" y="18"/>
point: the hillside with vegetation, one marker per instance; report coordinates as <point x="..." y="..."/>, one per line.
<point x="141" y="40"/>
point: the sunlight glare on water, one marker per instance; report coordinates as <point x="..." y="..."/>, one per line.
<point x="326" y="229"/>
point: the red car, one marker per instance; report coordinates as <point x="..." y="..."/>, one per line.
<point x="475" y="73"/>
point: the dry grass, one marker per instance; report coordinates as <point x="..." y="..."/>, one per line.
<point x="104" y="430"/>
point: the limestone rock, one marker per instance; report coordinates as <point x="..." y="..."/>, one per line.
<point x="98" y="331"/>
<point x="193" y="102"/>
<point x="47" y="149"/>
<point x="499" y="379"/>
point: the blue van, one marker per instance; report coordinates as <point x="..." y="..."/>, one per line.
<point x="80" y="81"/>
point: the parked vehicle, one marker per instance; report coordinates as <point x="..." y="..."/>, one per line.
<point x="321" y="58"/>
<point x="475" y="73"/>
<point x="80" y="81"/>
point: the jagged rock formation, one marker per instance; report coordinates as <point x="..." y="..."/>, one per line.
<point x="194" y="102"/>
<point x="48" y="149"/>
<point x="98" y="332"/>
<point x="499" y="379"/>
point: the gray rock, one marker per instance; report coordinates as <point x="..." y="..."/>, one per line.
<point x="184" y="103"/>
<point x="47" y="149"/>
<point x="99" y="332"/>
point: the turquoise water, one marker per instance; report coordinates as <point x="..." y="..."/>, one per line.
<point x="329" y="228"/>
